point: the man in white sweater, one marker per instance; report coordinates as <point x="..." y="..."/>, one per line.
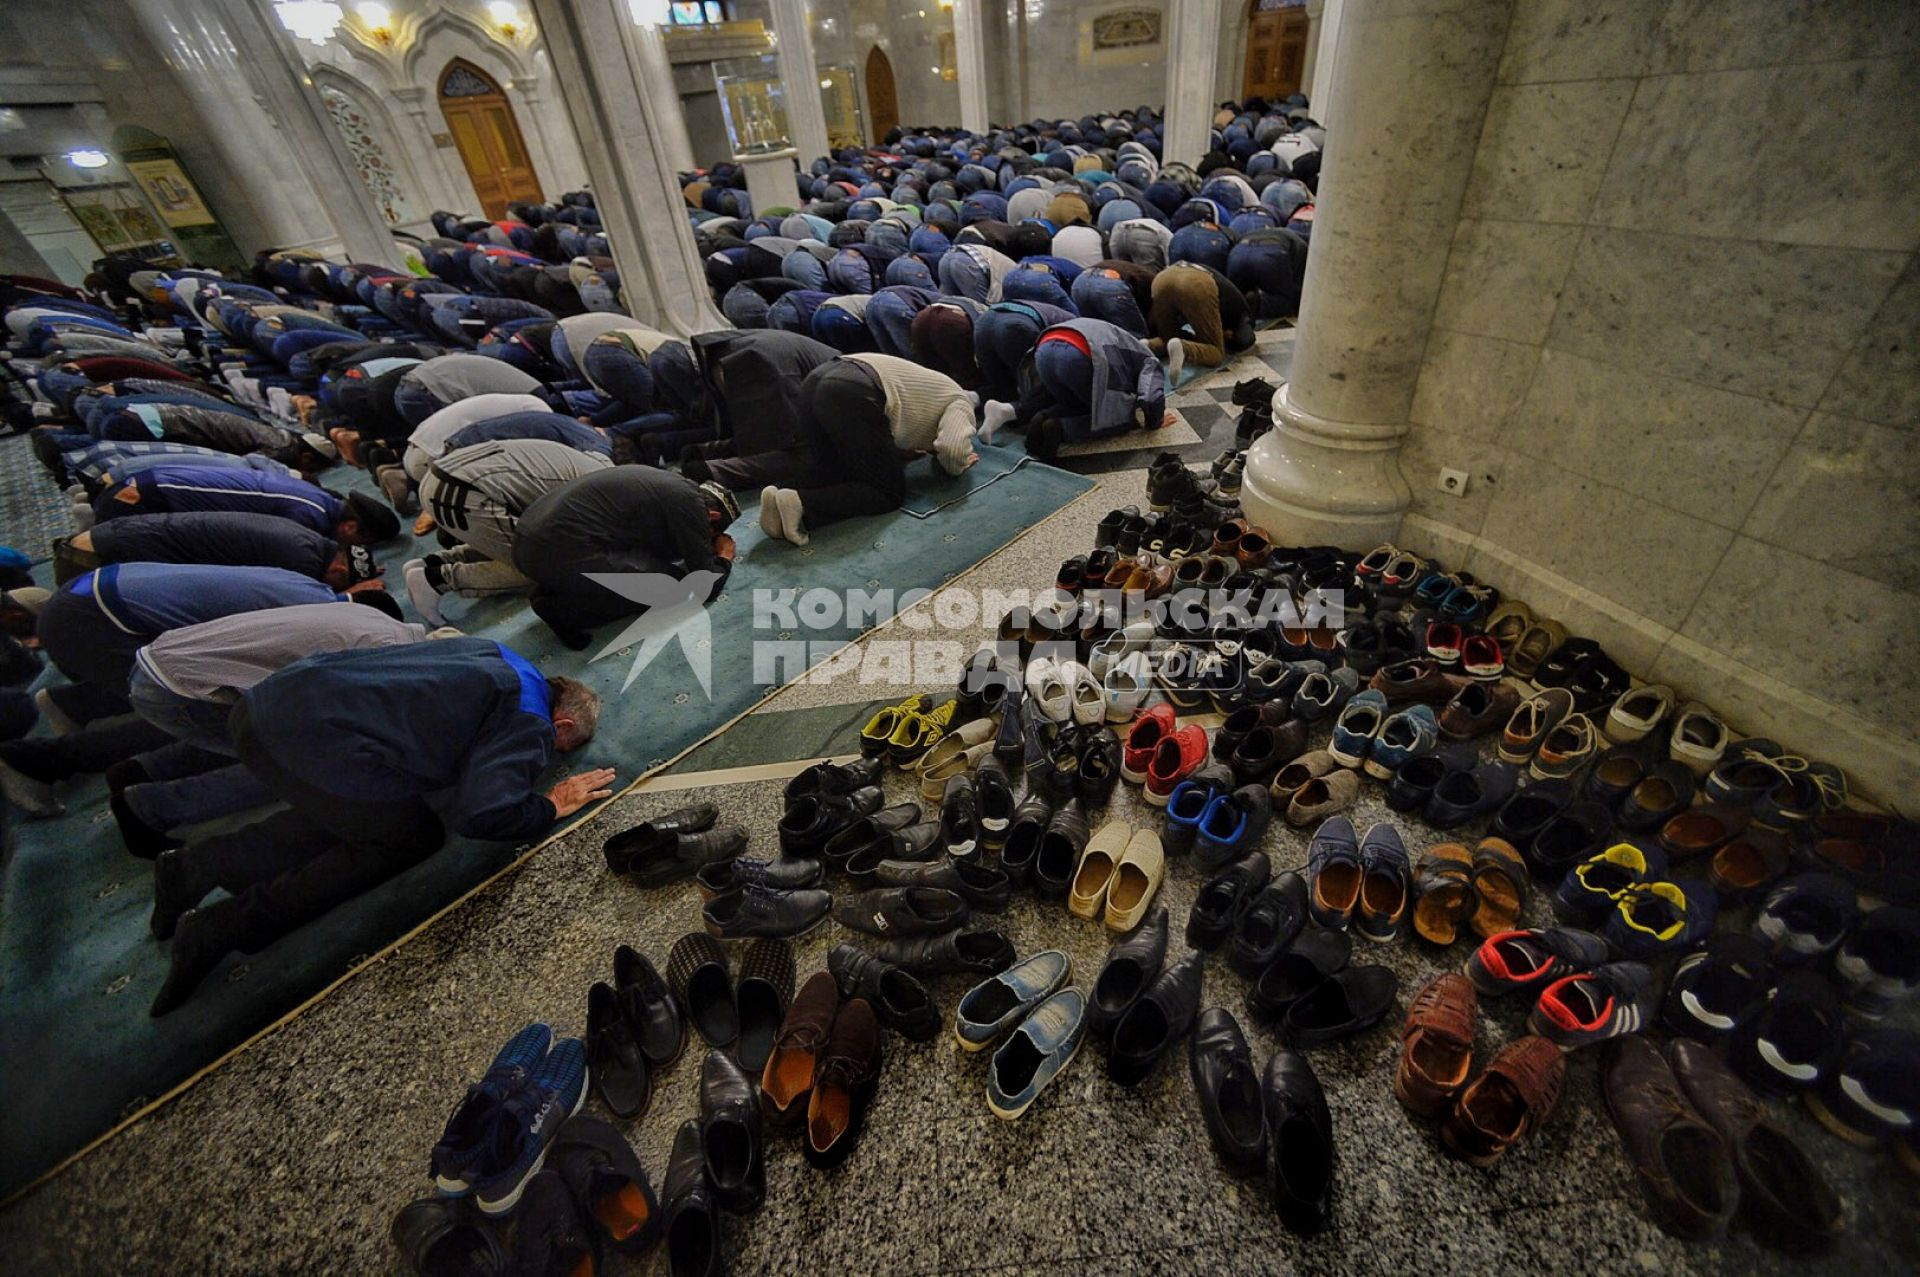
<point x="862" y="418"/>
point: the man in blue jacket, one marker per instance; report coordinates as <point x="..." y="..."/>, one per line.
<point x="356" y="518"/>
<point x="377" y="753"/>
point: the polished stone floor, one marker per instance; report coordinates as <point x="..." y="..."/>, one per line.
<point x="292" y="1158"/>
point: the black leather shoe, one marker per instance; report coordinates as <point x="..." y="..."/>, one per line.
<point x="1316" y="955"/>
<point x="1030" y="819"/>
<point x="614" y="1062"/>
<point x="608" y="1184"/>
<point x="1229" y="1089"/>
<point x="1269" y="924"/>
<point x="730" y="1135"/>
<point x="448" y="1235"/>
<point x="1099" y="766"/>
<point x="550" y="1233"/>
<point x="201" y="941"/>
<point x="782" y="873"/>
<point x="1351" y="1001"/>
<point x="1161" y="1017"/>
<point x="698" y="974"/>
<point x="898" y="999"/>
<point x="668" y="858"/>
<point x="695" y="819"/>
<point x="835" y="778"/>
<point x="1224" y="897"/>
<point x="916" y="844"/>
<point x="648" y="1005"/>
<point x="1528" y="811"/>
<point x="690" y="1213"/>
<point x="867" y="832"/>
<point x="811" y="820"/>
<point x="1059" y="851"/>
<point x="960" y="818"/>
<point x="981" y="885"/>
<point x="765" y="988"/>
<point x="755" y="911"/>
<point x="993" y="802"/>
<point x="902" y="911"/>
<point x="1300" y="1137"/>
<point x="1577" y="834"/>
<point x="1010" y="742"/>
<point x="976" y="953"/>
<point x="1132" y="963"/>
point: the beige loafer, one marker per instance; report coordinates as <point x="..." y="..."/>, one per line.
<point x="1094" y="874"/>
<point x="1137" y="881"/>
<point x="1322" y="796"/>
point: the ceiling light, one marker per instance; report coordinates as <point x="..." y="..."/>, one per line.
<point x="88" y="158"/>
<point x="314" y="21"/>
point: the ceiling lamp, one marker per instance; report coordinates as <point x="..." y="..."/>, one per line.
<point x="88" y="158"/>
<point x="314" y="21"/>
<point x="648" y="13"/>
<point x="505" y="17"/>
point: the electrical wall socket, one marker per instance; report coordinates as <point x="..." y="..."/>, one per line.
<point x="1452" y="482"/>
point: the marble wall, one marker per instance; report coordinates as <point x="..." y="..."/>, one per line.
<point x="1676" y="351"/>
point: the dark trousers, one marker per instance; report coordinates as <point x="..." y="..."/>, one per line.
<point x="92" y="651"/>
<point x="97" y="746"/>
<point x="294" y="866"/>
<point x="846" y="464"/>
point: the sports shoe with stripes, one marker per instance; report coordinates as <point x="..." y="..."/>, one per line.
<point x="1592" y="1006"/>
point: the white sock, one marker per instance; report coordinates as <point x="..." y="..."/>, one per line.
<point x="770" y="514"/>
<point x="992" y="417"/>
<point x="426" y="599"/>
<point x="793" y="515"/>
<point x="1176" y="360"/>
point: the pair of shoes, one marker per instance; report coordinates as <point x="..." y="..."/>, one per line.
<point x="958" y="752"/>
<point x="824" y="1068"/>
<point x="700" y="974"/>
<point x="1478" y="708"/>
<point x="782" y="516"/>
<point x="498" y="1135"/>
<point x="1363" y="882"/>
<point x="981" y="885"/>
<point x="1582" y="998"/>
<point x="672" y="846"/>
<point x="1486" y="888"/>
<point x="865" y="835"/>
<point x="1624" y="892"/>
<point x="1313" y="787"/>
<point x="904" y="733"/>
<point x="1177" y="753"/>
<point x="1080" y="761"/>
<point x="1509" y="1101"/>
<point x="1143" y="1027"/>
<point x="1450" y="786"/>
<point x="1228" y="823"/>
<point x="899" y="1000"/>
<point x="781" y="874"/>
<point x="812" y="826"/>
<point x="971" y="951"/>
<point x="1066" y="691"/>
<point x="760" y="910"/>
<point x="1276" y="1123"/>
<point x="1051" y="1021"/>
<point x="634" y="1030"/>
<point x="1118" y="874"/>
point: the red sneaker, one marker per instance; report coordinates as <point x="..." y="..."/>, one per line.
<point x="1174" y="758"/>
<point x="1150" y="727"/>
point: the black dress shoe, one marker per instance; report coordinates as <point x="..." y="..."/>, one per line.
<point x="862" y="835"/>
<point x="1577" y="834"/>
<point x="835" y="778"/>
<point x="993" y="802"/>
<point x="1059" y="851"/>
<point x="698" y="974"/>
<point x="1351" y="1001"/>
<point x="201" y="941"/>
<point x="755" y="911"/>
<point x="648" y="834"/>
<point x="1267" y="749"/>
<point x="1030" y="819"/>
<point x="1010" y="742"/>
<point x="176" y="889"/>
<point x="811" y="820"/>
<point x="916" y="844"/>
<point x="1528" y="811"/>
<point x="1300" y="1137"/>
<point x="900" y="1001"/>
<point x="614" y="1062"/>
<point x="1132" y="963"/>
<point x="977" y="953"/>
<point x="765" y="988"/>
<point x="448" y="1235"/>
<point x="608" y="1184"/>
<point x="1224" y="897"/>
<point x="730" y="1135"/>
<point x="141" y="839"/>
<point x="1155" y="1023"/>
<point x="649" y="1006"/>
<point x="1269" y="924"/>
<point x="960" y="818"/>
<point x="1315" y="956"/>
<point x="665" y="858"/>
<point x="782" y="873"/>
<point x="550" y="1233"/>
<point x="690" y="1213"/>
<point x="981" y="885"/>
<point x="1229" y="1091"/>
<point x="1098" y="766"/>
<point x="902" y="911"/>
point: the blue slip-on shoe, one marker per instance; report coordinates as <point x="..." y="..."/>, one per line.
<point x="1188" y="805"/>
<point x="1357" y="727"/>
<point x="1039" y="1050"/>
<point x="1805" y="917"/>
<point x="992" y="1006"/>
<point x="1407" y="734"/>
<point x="1590" y="889"/>
<point x="527" y="1124"/>
<point x="466" y="1131"/>
<point x="1655" y="918"/>
<point x="1232" y="825"/>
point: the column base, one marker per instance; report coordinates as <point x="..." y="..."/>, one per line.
<point x="770" y="180"/>
<point x="1313" y="481"/>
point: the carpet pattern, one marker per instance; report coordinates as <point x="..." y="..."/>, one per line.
<point x="32" y="511"/>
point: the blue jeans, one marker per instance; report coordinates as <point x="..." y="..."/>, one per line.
<point x="197" y="722"/>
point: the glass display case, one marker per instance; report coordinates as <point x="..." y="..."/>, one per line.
<point x="841" y="100"/>
<point x="753" y="103"/>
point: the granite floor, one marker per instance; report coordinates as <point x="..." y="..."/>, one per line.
<point x="292" y="1158"/>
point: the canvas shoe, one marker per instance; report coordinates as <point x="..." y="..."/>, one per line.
<point x="1036" y="1053"/>
<point x="998" y="1003"/>
<point x="1565" y="749"/>
<point x="1412" y="731"/>
<point x="1699" y="739"/>
<point x="1637" y="713"/>
<point x="1049" y="690"/>
<point x="461" y="1143"/>
<point x="1334" y="872"/>
<point x="1531" y="722"/>
<point x="1591" y="889"/>
<point x="1805" y="917"/>
<point x="1654" y="918"/>
<point x="1526" y="961"/>
<point x="528" y="1122"/>
<point x="1608" y="1001"/>
<point x="1099" y="861"/>
<point x="1386" y="885"/>
<point x="1357" y="727"/>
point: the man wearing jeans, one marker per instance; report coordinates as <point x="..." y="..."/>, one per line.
<point x="377" y="753"/>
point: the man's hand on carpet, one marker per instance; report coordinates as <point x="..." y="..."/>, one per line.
<point x="576" y="791"/>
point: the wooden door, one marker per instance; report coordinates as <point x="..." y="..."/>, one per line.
<point x="487" y="137"/>
<point x="1276" y="49"/>
<point x="883" y="105"/>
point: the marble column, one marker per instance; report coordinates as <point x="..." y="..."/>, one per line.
<point x="1316" y="14"/>
<point x="800" y="73"/>
<point x="970" y="61"/>
<point x="1323" y="46"/>
<point x="452" y="189"/>
<point x="1415" y="77"/>
<point x="1193" y="63"/>
<point x="599" y="66"/>
<point x="656" y="77"/>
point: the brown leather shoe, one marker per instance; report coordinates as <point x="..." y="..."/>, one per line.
<point x="1436" y="1045"/>
<point x="1701" y="829"/>
<point x="787" y="1080"/>
<point x="1508" y="1102"/>
<point x="843" y="1086"/>
<point x="1419" y="680"/>
<point x="1783" y="1195"/>
<point x="1226" y="538"/>
<point x="1254" y="549"/>
<point x="1681" y="1162"/>
<point x="1478" y="708"/>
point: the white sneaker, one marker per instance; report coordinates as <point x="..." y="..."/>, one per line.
<point x="1049" y="689"/>
<point x="1127" y="685"/>
<point x="1637" y="712"/>
<point x="1176" y="360"/>
<point x="1089" y="697"/>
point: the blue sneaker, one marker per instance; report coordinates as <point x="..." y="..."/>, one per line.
<point x="1357" y="727"/>
<point x="1654" y="918"/>
<point x="1408" y="734"/>
<point x="1588" y="893"/>
<point x="1189" y="802"/>
<point x="1232" y="825"/>
<point x="526" y="1125"/>
<point x="1334" y="873"/>
<point x="1805" y="917"/>
<point x="467" y="1130"/>
<point x="992" y="1005"/>
<point x="1386" y="885"/>
<point x="1036" y="1053"/>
